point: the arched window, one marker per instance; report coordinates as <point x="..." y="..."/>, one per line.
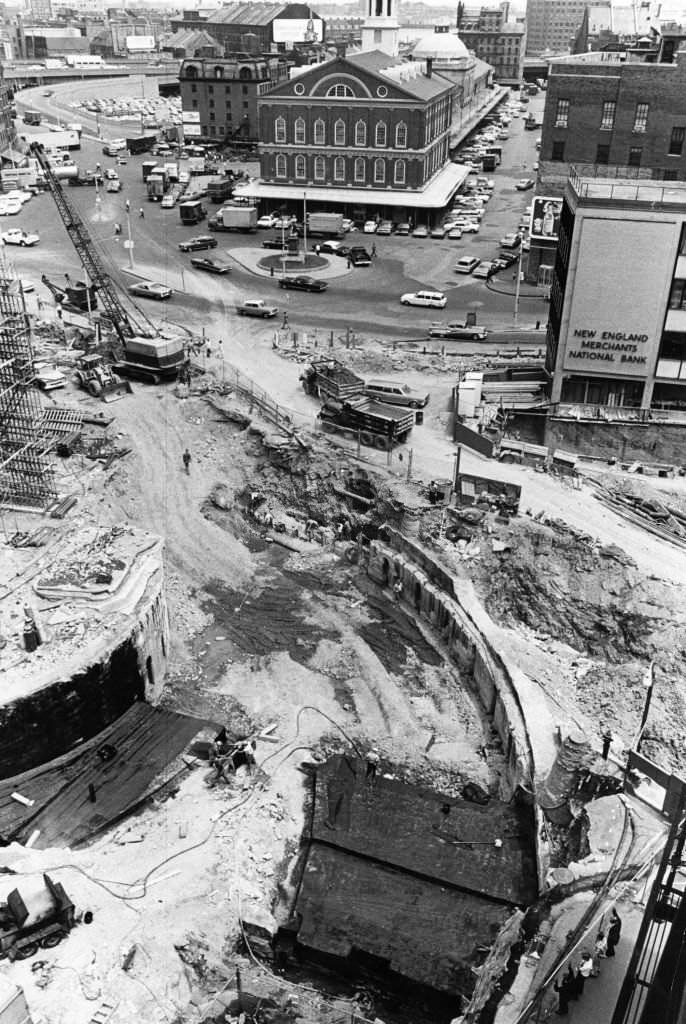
<point x="341" y="91"/>
<point x="361" y="133"/>
<point x="299" y="131"/>
<point x="300" y="167"/>
<point x="379" y="171"/>
<point x="245" y="73"/>
<point x="280" y="129"/>
<point x="218" y="72"/>
<point x="339" y="133"/>
<point x="280" y="165"/>
<point x="191" y="71"/>
<point x="401" y="136"/>
<point x="380" y="135"/>
<point x="360" y="169"/>
<point x="319" y="132"/>
<point x="319" y="168"/>
<point x="399" y="172"/>
<point x="339" y="169"/>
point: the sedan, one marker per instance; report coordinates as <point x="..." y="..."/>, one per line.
<point x="508" y="258"/>
<point x="403" y="228"/>
<point x="199" y="242"/>
<point x="511" y="241"/>
<point x="303" y="283"/>
<point x="457" y="330"/>
<point x="210" y="264"/>
<point x="168" y="201"/>
<point x="333" y="248"/>
<point x="420" y="232"/>
<point x="370" y="227"/>
<point x="15" y="236"/>
<point x="150" y="290"/>
<point x="455" y="234"/>
<point x="466" y="264"/>
<point x="486" y="269"/>
<point x="385" y="227"/>
<point x="437" y="300"/>
<point x="524" y="184"/>
<point x="438" y="232"/>
<point x="468" y="226"/>
<point x="267" y="221"/>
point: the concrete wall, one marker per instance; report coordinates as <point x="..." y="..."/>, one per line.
<point x="46" y="723"/>
<point x="654" y="442"/>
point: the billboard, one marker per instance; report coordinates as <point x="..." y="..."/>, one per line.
<point x="140" y="43"/>
<point x="298" y="30"/>
<point x="615" y="317"/>
<point x="545" y="218"/>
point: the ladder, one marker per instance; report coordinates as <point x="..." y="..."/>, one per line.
<point x="103" y="1013"/>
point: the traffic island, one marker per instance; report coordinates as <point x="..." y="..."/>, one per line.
<point x="292" y="265"/>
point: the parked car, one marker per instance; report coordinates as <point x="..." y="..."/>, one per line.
<point x="333" y="247"/>
<point x="508" y="258"/>
<point x="458" y="330"/>
<point x="485" y="269"/>
<point x="369" y="227"/>
<point x="468" y="225"/>
<point x="17" y="236"/>
<point x="437" y="300"/>
<point x="113" y="185"/>
<point x="403" y="228"/>
<point x="9" y="207"/>
<point x="266" y="221"/>
<point x="394" y="393"/>
<point x="524" y="184"/>
<point x="438" y="232"/>
<point x="455" y="234"/>
<point x="168" y="201"/>
<point x="466" y="264"/>
<point x="48" y="377"/>
<point x="150" y="290"/>
<point x="511" y="241"/>
<point x="303" y="283"/>
<point x="359" y="257"/>
<point x="210" y="264"/>
<point x="199" y="242"/>
<point x="421" y="231"/>
<point x="348" y="225"/>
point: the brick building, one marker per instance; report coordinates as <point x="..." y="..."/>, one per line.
<point x="256" y="28"/>
<point x="219" y="97"/>
<point x="616" y="346"/>
<point x="610" y="115"/>
<point x="497" y="39"/>
<point x="364" y="134"/>
<point x="552" y="25"/>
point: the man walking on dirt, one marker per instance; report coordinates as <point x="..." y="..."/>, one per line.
<point x="187" y="462"/>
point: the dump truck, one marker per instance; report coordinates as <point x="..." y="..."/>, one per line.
<point x="141" y="144"/>
<point x="234" y="218"/>
<point x="374" y="424"/>
<point x="157" y="183"/>
<point x="327" y="378"/>
<point x="40" y="918"/>
<point x="221" y="190"/>
<point x="97" y="377"/>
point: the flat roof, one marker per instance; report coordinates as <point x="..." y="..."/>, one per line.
<point x="637" y="190"/>
<point x="435" y="196"/>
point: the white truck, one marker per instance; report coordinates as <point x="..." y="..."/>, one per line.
<point x="234" y="218"/>
<point x="325" y="225"/>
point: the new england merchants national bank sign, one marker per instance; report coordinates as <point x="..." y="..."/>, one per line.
<point x="595" y="350"/>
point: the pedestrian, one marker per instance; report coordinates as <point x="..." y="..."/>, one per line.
<point x="570" y="977"/>
<point x="561" y="986"/>
<point x="613" y="932"/>
<point x="349" y="263"/>
<point x="284" y="325"/>
<point x="117" y="229"/>
<point x="584" y="972"/>
<point x="316" y="249"/>
<point x="373" y="250"/>
<point x="141" y="213"/>
<point x="271" y="271"/>
<point x="187" y="461"/>
<point x="372" y="764"/>
<point x="599" y="953"/>
<point x="398" y="589"/>
<point x="607" y="743"/>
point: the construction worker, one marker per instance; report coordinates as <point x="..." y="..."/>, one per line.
<point x="372" y="765"/>
<point x="187" y="461"/>
<point x="141" y="213"/>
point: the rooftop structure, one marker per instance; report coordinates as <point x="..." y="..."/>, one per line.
<point x="493" y="36"/>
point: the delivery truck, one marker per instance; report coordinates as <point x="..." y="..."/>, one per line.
<point x="157" y="184"/>
<point x="234" y="218"/>
<point x="140" y="144"/>
<point x="324" y="225"/>
<point x="220" y="190"/>
<point x="192" y="212"/>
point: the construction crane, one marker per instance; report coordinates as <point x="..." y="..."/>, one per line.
<point x="147" y="355"/>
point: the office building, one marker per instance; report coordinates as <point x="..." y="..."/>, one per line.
<point x="496" y="38"/>
<point x="552" y="25"/>
<point x="256" y="28"/>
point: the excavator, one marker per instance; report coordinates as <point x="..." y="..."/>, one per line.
<point x="146" y="355"/>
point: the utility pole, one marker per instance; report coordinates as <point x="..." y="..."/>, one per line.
<point x="129" y="244"/>
<point x="519" y="277"/>
<point x="304" y="229"/>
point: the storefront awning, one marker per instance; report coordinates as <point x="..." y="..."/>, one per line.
<point x="435" y="196"/>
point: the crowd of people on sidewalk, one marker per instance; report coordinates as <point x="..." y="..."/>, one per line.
<point x="571" y="982"/>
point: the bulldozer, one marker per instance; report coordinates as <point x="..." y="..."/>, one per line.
<point x="96" y="377"/>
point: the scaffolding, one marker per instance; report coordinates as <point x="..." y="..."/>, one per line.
<point x="26" y="475"/>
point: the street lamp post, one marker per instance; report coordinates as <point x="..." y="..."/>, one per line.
<point x="129" y="245"/>
<point x="304" y="229"/>
<point x="519" y="277"/>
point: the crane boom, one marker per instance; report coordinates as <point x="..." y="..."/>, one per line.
<point x="123" y="323"/>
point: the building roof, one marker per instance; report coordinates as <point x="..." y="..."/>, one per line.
<point x="187" y="38"/>
<point x="435" y="195"/>
<point x="407" y="75"/>
<point x="440" y="45"/>
<point x="247" y="14"/>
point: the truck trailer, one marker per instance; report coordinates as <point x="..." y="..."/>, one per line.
<point x="324" y="225"/>
<point x="234" y="218"/>
<point x="157" y="184"/>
